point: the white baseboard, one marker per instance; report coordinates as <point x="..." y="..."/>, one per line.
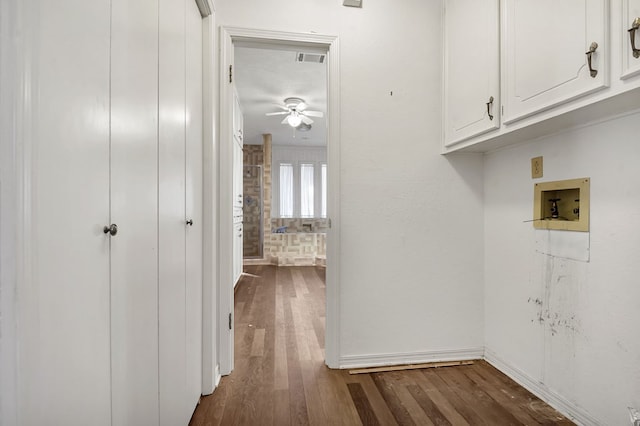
<point x="575" y="413"/>
<point x="378" y="360"/>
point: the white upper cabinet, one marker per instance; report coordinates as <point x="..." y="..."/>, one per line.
<point x="630" y="38"/>
<point x="471" y="69"/>
<point x="544" y="45"/>
<point x="562" y="63"/>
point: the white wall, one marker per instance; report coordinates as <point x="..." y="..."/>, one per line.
<point x="411" y="252"/>
<point x="586" y="346"/>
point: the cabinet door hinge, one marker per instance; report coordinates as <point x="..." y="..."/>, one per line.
<point x="230" y="321"/>
<point x="230" y="73"/>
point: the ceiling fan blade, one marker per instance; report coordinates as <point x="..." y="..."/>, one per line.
<point x="283" y="107"/>
<point x="305" y="119"/>
<point x="301" y="106"/>
<point x="277" y="113"/>
<point x="285" y="120"/>
<point x="313" y="113"/>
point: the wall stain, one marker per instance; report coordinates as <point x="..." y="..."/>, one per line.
<point x="555" y="310"/>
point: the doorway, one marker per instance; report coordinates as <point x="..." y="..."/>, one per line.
<point x="230" y="38"/>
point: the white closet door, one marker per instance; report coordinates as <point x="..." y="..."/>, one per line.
<point x="64" y="302"/>
<point x="194" y="204"/>
<point x="134" y="207"/>
<point x="171" y="214"/>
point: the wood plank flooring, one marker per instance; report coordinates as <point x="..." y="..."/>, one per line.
<point x="280" y="377"/>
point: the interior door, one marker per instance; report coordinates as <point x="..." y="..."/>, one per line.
<point x="226" y="167"/>
<point x="193" y="201"/>
<point x="171" y="214"/>
<point x="134" y="209"/>
<point x="63" y="296"/>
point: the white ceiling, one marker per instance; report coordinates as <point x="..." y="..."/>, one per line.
<point x="264" y="77"/>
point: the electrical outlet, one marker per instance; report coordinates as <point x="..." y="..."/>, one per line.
<point x="536" y="167"/>
<point x="634" y="416"/>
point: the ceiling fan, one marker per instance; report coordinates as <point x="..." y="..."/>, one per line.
<point x="296" y="113"/>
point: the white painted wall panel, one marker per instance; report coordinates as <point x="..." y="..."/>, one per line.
<point x="412" y="229"/>
<point x="570" y="324"/>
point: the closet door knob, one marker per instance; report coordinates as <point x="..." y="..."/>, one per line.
<point x="111" y="229"/>
<point x="190" y="222"/>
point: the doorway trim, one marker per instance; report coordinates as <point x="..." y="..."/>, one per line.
<point x="228" y="36"/>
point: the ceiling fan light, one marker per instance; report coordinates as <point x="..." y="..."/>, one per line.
<point x="294" y="120"/>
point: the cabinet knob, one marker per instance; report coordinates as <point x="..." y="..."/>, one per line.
<point x="190" y="222"/>
<point x="589" y="53"/>
<point x="111" y="229"/>
<point x="632" y="35"/>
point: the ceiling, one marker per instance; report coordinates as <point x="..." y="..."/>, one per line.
<point x="264" y="77"/>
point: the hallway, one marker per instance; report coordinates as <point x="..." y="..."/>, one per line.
<point x="280" y="377"/>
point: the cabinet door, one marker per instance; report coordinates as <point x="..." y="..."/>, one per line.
<point x="134" y="208"/>
<point x="237" y="252"/>
<point x="544" y="60"/>
<point x="238" y="162"/>
<point x="630" y="21"/>
<point x="471" y="70"/>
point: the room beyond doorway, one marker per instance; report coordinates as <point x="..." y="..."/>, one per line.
<point x="229" y="37"/>
<point x="282" y="93"/>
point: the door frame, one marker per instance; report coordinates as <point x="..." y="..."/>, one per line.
<point x="229" y="35"/>
<point x="210" y="374"/>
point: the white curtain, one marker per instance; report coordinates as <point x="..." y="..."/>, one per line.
<point x="286" y="190"/>
<point x="306" y="190"/>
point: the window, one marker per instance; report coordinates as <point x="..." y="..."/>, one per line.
<point x="306" y="190"/>
<point x="286" y="190"/>
<point x="300" y="189"/>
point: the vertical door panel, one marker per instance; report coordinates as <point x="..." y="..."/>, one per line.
<point x="472" y="73"/>
<point x="194" y="203"/>
<point x="630" y="14"/>
<point x="544" y="44"/>
<point x="171" y="213"/>
<point x="64" y="302"/>
<point x="134" y="207"/>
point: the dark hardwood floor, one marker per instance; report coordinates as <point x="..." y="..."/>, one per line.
<point x="280" y="377"/>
